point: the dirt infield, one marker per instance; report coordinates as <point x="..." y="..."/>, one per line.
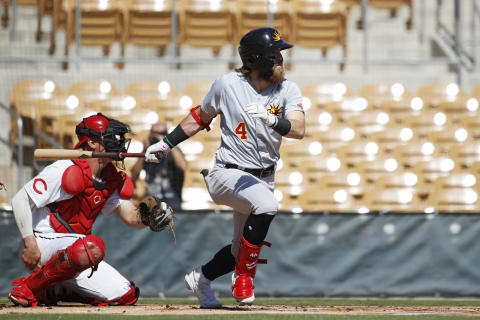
<point x="146" y="309"/>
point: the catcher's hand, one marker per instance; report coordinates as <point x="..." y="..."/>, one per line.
<point x="156" y="214"/>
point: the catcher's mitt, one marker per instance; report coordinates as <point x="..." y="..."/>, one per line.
<point x="156" y="214"/>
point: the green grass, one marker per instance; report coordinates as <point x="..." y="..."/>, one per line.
<point x="265" y="301"/>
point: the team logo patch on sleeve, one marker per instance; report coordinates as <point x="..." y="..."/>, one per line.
<point x="39" y="183"/>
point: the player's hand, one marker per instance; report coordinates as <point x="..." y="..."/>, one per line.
<point x="258" y="111"/>
<point x="31" y="254"/>
<point x="157" y="152"/>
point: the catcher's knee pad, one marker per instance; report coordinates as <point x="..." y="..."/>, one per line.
<point x="86" y="252"/>
<point x="128" y="298"/>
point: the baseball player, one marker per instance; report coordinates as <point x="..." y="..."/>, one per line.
<point x="55" y="212"/>
<point x="258" y="107"/>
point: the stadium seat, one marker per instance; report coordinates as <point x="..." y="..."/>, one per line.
<point x="58" y="21"/>
<point x="139" y="120"/>
<point x="418" y="150"/>
<point x="456" y="180"/>
<point x="372" y="169"/>
<point x="144" y="91"/>
<point x="94" y="90"/>
<point x="321" y="25"/>
<point x="393" y="200"/>
<point x="329" y="200"/>
<point x="206" y="24"/>
<point x="431" y="169"/>
<point x="433" y="94"/>
<point x="465" y="154"/>
<point x="5" y="18"/>
<point x="455" y="200"/>
<point x="357" y="151"/>
<point x="378" y="94"/>
<point x="195" y="92"/>
<point x="447" y="137"/>
<point x="115" y="105"/>
<point x="315" y="168"/>
<point x="471" y="122"/>
<point x="368" y="123"/>
<point x="348" y="107"/>
<point x="398" y="110"/>
<point x="426" y="122"/>
<point x="392" y="136"/>
<point x="147" y="23"/>
<point x="100" y="21"/>
<point x="318" y="94"/>
<point x="351" y="181"/>
<point x="333" y="138"/>
<point x="293" y="153"/>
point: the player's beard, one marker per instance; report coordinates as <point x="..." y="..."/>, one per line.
<point x="274" y="75"/>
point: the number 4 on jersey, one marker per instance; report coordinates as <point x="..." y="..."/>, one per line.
<point x="241" y="130"/>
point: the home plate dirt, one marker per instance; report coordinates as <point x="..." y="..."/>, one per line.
<point x="146" y="309"/>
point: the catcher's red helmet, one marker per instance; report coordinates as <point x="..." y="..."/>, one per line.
<point x="91" y="127"/>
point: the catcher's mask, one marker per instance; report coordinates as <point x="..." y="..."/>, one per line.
<point x="110" y="132"/>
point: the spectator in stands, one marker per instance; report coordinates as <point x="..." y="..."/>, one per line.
<point x="164" y="179"/>
<point x="3" y="185"/>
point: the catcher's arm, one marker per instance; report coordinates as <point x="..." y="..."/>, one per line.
<point x="128" y="213"/>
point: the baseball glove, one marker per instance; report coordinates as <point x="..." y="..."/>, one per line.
<point x="156" y="214"/>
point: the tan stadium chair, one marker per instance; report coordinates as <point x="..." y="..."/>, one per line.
<point x="368" y="123"/>
<point x="318" y="120"/>
<point x="144" y="91"/>
<point x="459" y="108"/>
<point x="196" y="92"/>
<point x="329" y="200"/>
<point x="101" y="24"/>
<point x="392" y="136"/>
<point x="23" y="98"/>
<point x="147" y="23"/>
<point x="5" y="18"/>
<point x="393" y="200"/>
<point x="391" y="5"/>
<point x="471" y="122"/>
<point x="377" y="94"/>
<point x="407" y="155"/>
<point x="404" y="180"/>
<point x="465" y="154"/>
<point x="316" y="168"/>
<point x="398" y="110"/>
<point x="321" y="26"/>
<point x="318" y="94"/>
<point x="372" y="169"/>
<point x="426" y="122"/>
<point x="294" y="152"/>
<point x="44" y="7"/>
<point x="348" y="107"/>
<point x="169" y="108"/>
<point x="49" y="111"/>
<point x="357" y="151"/>
<point x="139" y="120"/>
<point x="448" y="137"/>
<point x="115" y="105"/>
<point x="58" y="21"/>
<point x="333" y="138"/>
<point x="206" y="24"/>
<point x="433" y="94"/>
<point x="455" y="200"/>
<point x="476" y="93"/>
<point x="456" y="180"/>
<point x="431" y="169"/>
<point x="94" y="90"/>
<point x="351" y="181"/>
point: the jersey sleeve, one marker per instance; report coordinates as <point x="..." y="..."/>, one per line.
<point x="211" y="102"/>
<point x="112" y="203"/>
<point x="46" y="187"/>
<point x="293" y="98"/>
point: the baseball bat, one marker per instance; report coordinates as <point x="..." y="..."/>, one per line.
<point x="66" y="154"/>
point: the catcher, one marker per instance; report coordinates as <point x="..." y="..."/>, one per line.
<point x="55" y="212"/>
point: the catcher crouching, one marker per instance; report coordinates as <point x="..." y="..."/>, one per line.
<point x="55" y="212"/>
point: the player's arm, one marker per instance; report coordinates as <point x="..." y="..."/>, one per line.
<point x="22" y="211"/>
<point x="297" y="124"/>
<point x="129" y="214"/>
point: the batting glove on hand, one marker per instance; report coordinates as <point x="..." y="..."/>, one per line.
<point x="258" y="111"/>
<point x="157" y="152"/>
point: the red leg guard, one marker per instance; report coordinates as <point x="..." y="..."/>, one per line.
<point x="65" y="264"/>
<point x="129" y="298"/>
<point x="245" y="268"/>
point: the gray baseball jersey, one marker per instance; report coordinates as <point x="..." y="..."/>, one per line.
<point x="247" y="141"/>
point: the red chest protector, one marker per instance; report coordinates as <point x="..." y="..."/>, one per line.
<point x="77" y="214"/>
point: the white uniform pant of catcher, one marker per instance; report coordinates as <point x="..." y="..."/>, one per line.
<point x="243" y="192"/>
<point x="105" y="283"/>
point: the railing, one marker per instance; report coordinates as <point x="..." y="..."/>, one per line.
<point x="19" y="143"/>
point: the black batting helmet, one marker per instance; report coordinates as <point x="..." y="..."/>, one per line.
<point x="256" y="43"/>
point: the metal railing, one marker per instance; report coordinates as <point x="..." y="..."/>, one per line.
<point x="19" y="143"/>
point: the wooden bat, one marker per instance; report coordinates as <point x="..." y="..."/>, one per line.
<point x="66" y="154"/>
